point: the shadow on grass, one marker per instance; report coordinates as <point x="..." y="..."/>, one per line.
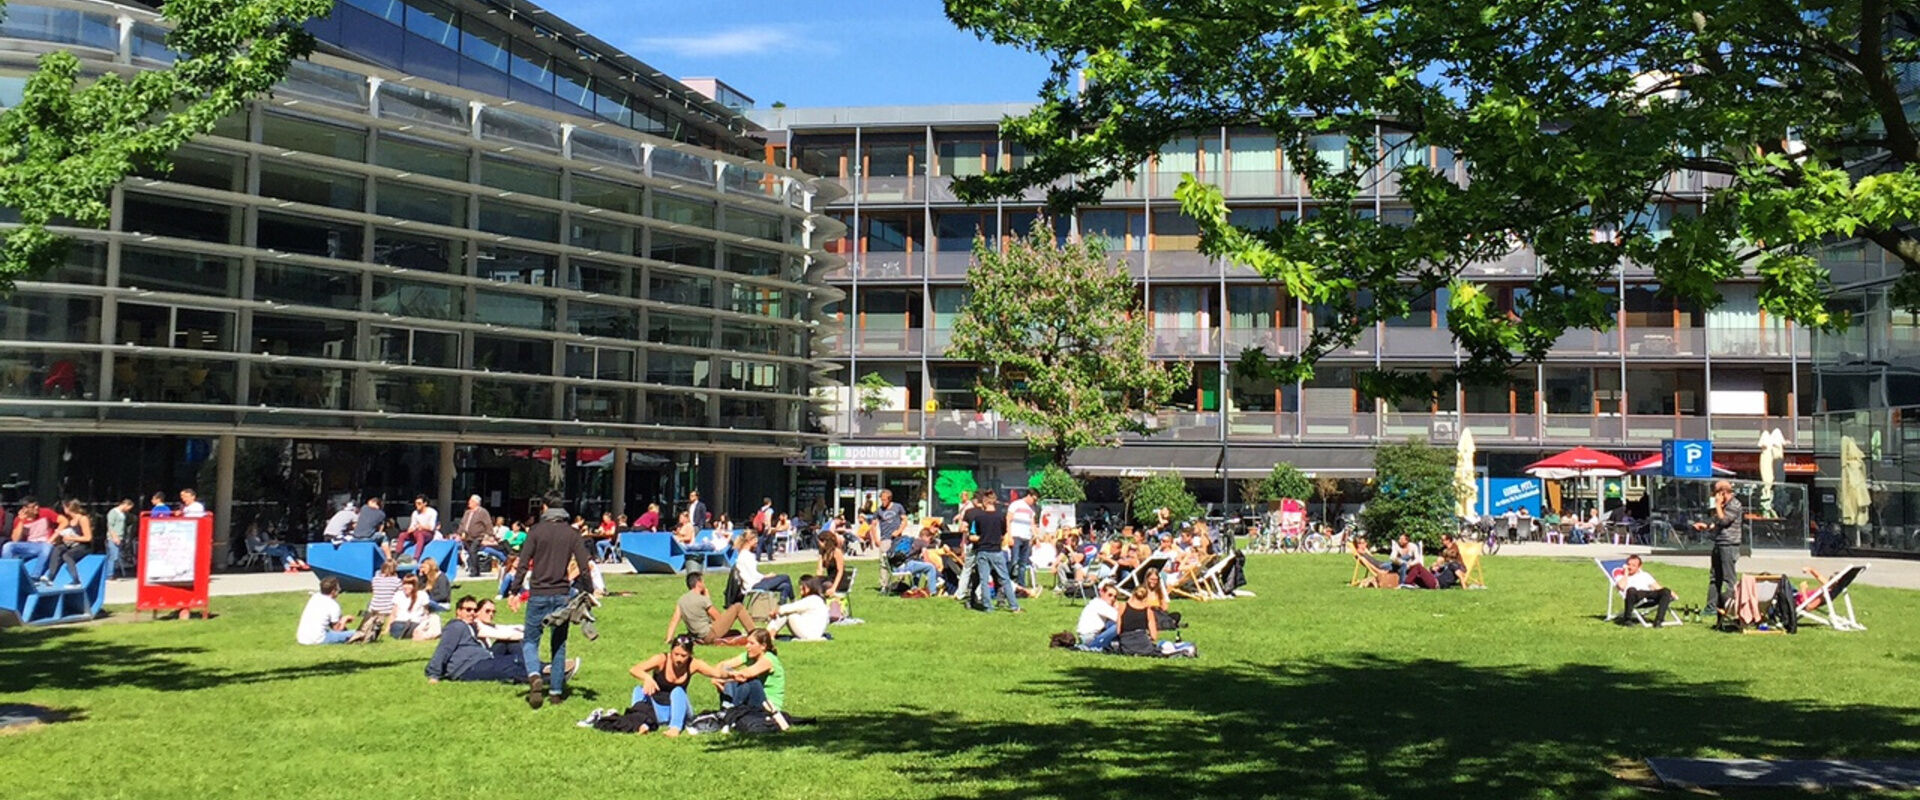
<point x="1342" y="728"/>
<point x="62" y="658"/>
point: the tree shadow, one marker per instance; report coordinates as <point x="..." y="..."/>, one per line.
<point x="61" y="658"/>
<point x="1342" y="728"/>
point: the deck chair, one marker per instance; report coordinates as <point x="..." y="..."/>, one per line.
<point x="1836" y="601"/>
<point x="1374" y="577"/>
<point x="1612" y="569"/>
<point x="1139" y="574"/>
<point x="1208" y="585"/>
<point x="1470" y="553"/>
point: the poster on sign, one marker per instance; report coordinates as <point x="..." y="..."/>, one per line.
<point x="1293" y="516"/>
<point x="1055" y="516"/>
<point x="171" y="550"/>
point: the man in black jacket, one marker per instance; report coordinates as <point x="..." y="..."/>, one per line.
<point x="550" y="546"/>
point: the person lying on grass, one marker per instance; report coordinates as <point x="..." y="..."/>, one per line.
<point x="705" y="623"/>
<point x="463" y="656"/>
<point x="663" y="682"/>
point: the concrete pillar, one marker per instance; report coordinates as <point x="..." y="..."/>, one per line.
<point x="226" y="452"/>
<point x="444" y="498"/>
<point x="619" y="481"/>
<point x="721" y="499"/>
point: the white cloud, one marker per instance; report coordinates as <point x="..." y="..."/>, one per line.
<point x="748" y="41"/>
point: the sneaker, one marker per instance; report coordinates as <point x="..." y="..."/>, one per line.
<point x="76" y="585"/>
<point x="536" y="691"/>
<point x="592" y="718"/>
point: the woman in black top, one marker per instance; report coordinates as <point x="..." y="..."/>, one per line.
<point x="663" y="682"/>
<point x="1139" y="632"/>
<point x="833" y="563"/>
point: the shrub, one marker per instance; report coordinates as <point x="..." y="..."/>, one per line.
<point x="1413" y="494"/>
<point x="1168" y="490"/>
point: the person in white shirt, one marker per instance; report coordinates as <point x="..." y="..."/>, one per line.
<point x="422" y="527"/>
<point x="1022" y="515"/>
<point x="413" y="616"/>
<point x="1099" y="621"/>
<point x="747" y="566"/>
<point x="190" y="505"/>
<point x="340" y="524"/>
<point x="321" y="622"/>
<point x="807" y="617"/>
<point x="1640" y="589"/>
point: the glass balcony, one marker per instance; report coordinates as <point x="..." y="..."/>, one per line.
<point x="1261" y="426"/>
<point x="962" y="424"/>
<point x="1583" y="429"/>
<point x="1339" y="427"/>
<point x="1186" y="341"/>
<point x="892" y="266"/>
<point x="1363" y="346"/>
<point x="1502" y="427"/>
<point x="1588" y="343"/>
<point x="1751" y="342"/>
<point x="1417" y="343"/>
<point x="894" y="189"/>
<point x="938" y="339"/>
<point x="1183" y="426"/>
<point x="1275" y="341"/>
<point x="881" y="342"/>
<point x="1182" y="264"/>
<point x="951" y="264"/>
<point x="1739" y="430"/>
<point x="1520" y="262"/>
<point x="1261" y="183"/>
<point x="1666" y="342"/>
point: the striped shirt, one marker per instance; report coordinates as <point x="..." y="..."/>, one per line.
<point x="383" y="588"/>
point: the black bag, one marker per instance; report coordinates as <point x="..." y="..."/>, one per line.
<point x="741" y="719"/>
<point x="707" y="722"/>
<point x="636" y="718"/>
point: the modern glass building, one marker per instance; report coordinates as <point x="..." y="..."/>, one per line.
<point x="1869" y="388"/>
<point x="1667" y="371"/>
<point x="466" y="248"/>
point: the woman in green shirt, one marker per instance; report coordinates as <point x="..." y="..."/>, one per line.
<point x="756" y="678"/>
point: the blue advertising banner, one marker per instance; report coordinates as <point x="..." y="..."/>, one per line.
<point x="1687" y="458"/>
<point x="1500" y="495"/>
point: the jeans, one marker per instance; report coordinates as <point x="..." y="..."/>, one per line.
<point x="1101" y="640"/>
<point x="418" y="539"/>
<point x="493" y="555"/>
<point x="747" y="694"/>
<point x="766" y="545"/>
<point x="284" y="553"/>
<point x="996" y="562"/>
<point x="34" y="553"/>
<point x="967" y="589"/>
<point x="776" y="583"/>
<point x="68" y="554"/>
<point x="337" y="637"/>
<point x="1637" y="598"/>
<point x="506" y="584"/>
<point x="113" y="559"/>
<point x="507" y="668"/>
<point x="922" y="569"/>
<point x="538" y="607"/>
<point x="672" y="715"/>
<point x="1726" y="558"/>
<point x="1020" y="560"/>
<point x="605" y="548"/>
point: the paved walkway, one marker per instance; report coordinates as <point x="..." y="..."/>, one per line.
<point x="1889" y="572"/>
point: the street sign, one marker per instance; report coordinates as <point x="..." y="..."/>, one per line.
<point x="1688" y="458"/>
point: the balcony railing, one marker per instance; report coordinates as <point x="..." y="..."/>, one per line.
<point x="1275" y="341"/>
<point x="886" y="424"/>
<point x="1186" y="341"/>
<point x="1362" y="347"/>
<point x="1261" y="426"/>
<point x="892" y="265"/>
<point x="938" y="339"/>
<point x="1665" y="342"/>
<point x="1752" y="342"/>
<point x="1417" y="343"/>
<point x="897" y="342"/>
<point x="951" y="264"/>
<point x="1182" y="264"/>
<point x="1260" y="183"/>
<point x="1519" y="263"/>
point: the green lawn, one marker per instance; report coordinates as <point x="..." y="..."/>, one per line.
<point x="1309" y="690"/>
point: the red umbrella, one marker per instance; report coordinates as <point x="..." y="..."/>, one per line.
<point x="1577" y="462"/>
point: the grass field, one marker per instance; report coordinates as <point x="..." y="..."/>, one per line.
<point x="1310" y="690"/>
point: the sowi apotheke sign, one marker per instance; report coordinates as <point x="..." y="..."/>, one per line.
<point x="868" y="456"/>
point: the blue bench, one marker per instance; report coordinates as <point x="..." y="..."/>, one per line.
<point x="355" y="563"/>
<point x="652" y="553"/>
<point x="44" y="605"/>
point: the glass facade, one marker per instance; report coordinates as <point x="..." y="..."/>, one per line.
<point x="1869" y="380"/>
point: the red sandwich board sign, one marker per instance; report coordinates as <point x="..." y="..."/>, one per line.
<point x="176" y="558"/>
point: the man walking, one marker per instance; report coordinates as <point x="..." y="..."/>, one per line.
<point x="550" y="546"/>
<point x="475" y="526"/>
<point x="1728" y="517"/>
<point x="887" y="520"/>
<point x="119" y="533"/>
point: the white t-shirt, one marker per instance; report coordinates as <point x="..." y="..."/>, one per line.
<point x="747" y="565"/>
<point x="416" y="611"/>
<point x="1020" y="520"/>
<point x="193" y="509"/>
<point x="340" y="524"/>
<point x="318" y="618"/>
<point x="807" y="617"/>
<point x="1094" y="618"/>
<point x="1639" y="580"/>
<point x="425" y="518"/>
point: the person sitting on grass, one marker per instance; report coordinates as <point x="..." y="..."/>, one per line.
<point x="386" y="583"/>
<point x="413" y="617"/>
<point x="321" y="622"/>
<point x="1099" y="620"/>
<point x="663" y="683"/>
<point x="508" y="570"/>
<point x="833" y="563"/>
<point x="1158" y="597"/>
<point x="436" y="585"/>
<point x="462" y="655"/>
<point x="747" y="566"/>
<point x="498" y="638"/>
<point x="1138" y="630"/>
<point x="806" y="618"/>
<point x="706" y="624"/>
<point x="756" y="678"/>
<point x="1640" y="589"/>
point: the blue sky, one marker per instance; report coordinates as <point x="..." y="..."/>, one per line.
<point x="815" y="52"/>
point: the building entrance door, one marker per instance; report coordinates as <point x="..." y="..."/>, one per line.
<point x="858" y="492"/>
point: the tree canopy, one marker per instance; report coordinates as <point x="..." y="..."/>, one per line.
<point x="73" y="136"/>
<point x="1414" y="493"/>
<point x="1562" y="126"/>
<point x="1058" y="331"/>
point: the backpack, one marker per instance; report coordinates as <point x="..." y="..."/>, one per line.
<point x="708" y="722"/>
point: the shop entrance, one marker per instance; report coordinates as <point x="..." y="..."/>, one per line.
<point x="857" y="493"/>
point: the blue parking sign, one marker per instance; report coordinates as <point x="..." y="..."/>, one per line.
<point x="1688" y="458"/>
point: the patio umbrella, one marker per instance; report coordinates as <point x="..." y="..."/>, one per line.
<point x="1654" y="464"/>
<point x="1773" y="448"/>
<point x="1854" y="498"/>
<point x="1464" y="488"/>
<point x="1580" y="462"/>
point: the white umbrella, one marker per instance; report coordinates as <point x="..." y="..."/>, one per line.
<point x="1854" y="498"/>
<point x="1465" y="489"/>
<point x="1773" y="448"/>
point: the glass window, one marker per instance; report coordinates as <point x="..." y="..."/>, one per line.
<point x="513" y="399"/>
<point x="422" y="205"/>
<point x="415" y="394"/>
<point x="596" y="404"/>
<point x="400" y="101"/>
<point x="761" y="226"/>
<point x="759" y="263"/>
<point x="668" y="161"/>
<point x="1331" y="150"/>
<point x="307" y="286"/>
<point x="307" y="337"/>
<point x="508" y="265"/>
<point x="610" y="196"/>
<point x="86" y="264"/>
<point x="175" y="326"/>
<point x="325" y="83"/>
<point x="484" y="45"/>
<point x="433" y="22"/>
<point x="663" y="328"/>
<point x="284" y="386"/>
<point x="681" y="250"/>
<point x="895" y="160"/>
<point x="822" y="159"/>
<point x="683" y="210"/>
<point x="392" y="11"/>
<point x="532" y="66"/>
<point x="678" y="369"/>
<point x="149" y="43"/>
<point x="313" y="137"/>
<point x="954" y="232"/>
<point x="677" y="408"/>
<point x="413" y="346"/>
<point x="962" y="159"/>
<point x="425" y="159"/>
<point x="606" y="149"/>
<point x="309" y="235"/>
<point x="603" y="363"/>
<point x="1254" y="219"/>
<point x="516" y="310"/>
<point x="165" y="271"/>
<point x="666" y="287"/>
<point x="196" y="166"/>
<point x="181" y="219"/>
<point x="514" y="176"/>
<point x="601" y="236"/>
<point x="415" y="251"/>
<point x="594" y="319"/>
<point x="503" y="354"/>
<point x="612" y="106"/>
<point x="1253" y="152"/>
<point x="573" y="87"/>
<point x="304" y="184"/>
<point x="756" y="376"/>
<point x="511" y="126"/>
<point x="756" y="300"/>
<point x="405" y="298"/>
<point x="756" y="339"/>
<point x="28" y="317"/>
<point x="1173" y="230"/>
<point x="60" y="25"/>
<point x="507" y="219"/>
<point x="587" y="276"/>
